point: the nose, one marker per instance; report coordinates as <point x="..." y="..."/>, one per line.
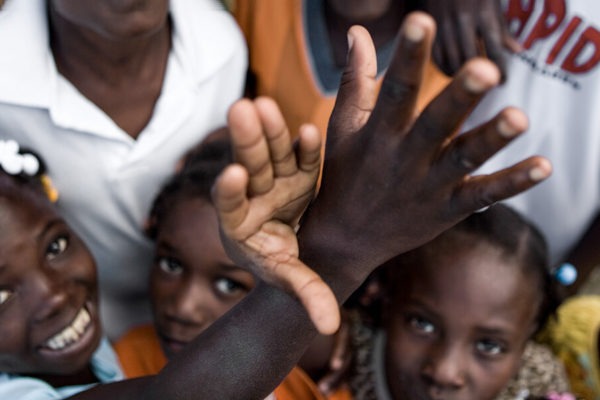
<point x="446" y="367"/>
<point x="47" y="290"/>
<point x="192" y="305"/>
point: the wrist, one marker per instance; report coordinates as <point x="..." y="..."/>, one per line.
<point x="327" y="247"/>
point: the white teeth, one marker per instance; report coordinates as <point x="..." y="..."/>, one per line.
<point x="71" y="333"/>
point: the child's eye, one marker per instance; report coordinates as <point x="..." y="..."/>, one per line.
<point x="170" y="265"/>
<point x="228" y="286"/>
<point x="421" y="325"/>
<point x="57" y="247"/>
<point x="490" y="347"/>
<point x="5" y="295"/>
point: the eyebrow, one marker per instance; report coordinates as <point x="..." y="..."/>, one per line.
<point x="49" y="226"/>
<point x="492" y="331"/>
<point x="165" y="245"/>
<point x="233" y="267"/>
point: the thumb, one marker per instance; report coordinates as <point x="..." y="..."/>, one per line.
<point x="357" y="93"/>
<point x="314" y="294"/>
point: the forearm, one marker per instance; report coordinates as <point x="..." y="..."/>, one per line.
<point x="243" y="355"/>
<point x="246" y="353"/>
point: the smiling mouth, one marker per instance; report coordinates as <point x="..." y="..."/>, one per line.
<point x="72" y="333"/>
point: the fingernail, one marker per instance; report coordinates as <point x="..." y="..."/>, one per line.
<point x="537" y="174"/>
<point x="506" y="130"/>
<point x="474" y="84"/>
<point x="350" y="41"/>
<point x="336" y="364"/>
<point x="414" y="32"/>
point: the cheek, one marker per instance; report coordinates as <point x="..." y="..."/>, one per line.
<point x="162" y="290"/>
<point x="14" y="350"/>
<point x="404" y="354"/>
<point x="223" y="306"/>
<point x="493" y="378"/>
<point x="82" y="268"/>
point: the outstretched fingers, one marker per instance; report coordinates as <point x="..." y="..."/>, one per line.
<point x="250" y="146"/>
<point x="470" y="150"/>
<point x="309" y="149"/>
<point x="484" y="190"/>
<point x="357" y="92"/>
<point x="441" y="119"/>
<point x="278" y="137"/>
<point x="230" y="200"/>
<point x="397" y="99"/>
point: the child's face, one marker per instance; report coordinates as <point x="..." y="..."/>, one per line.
<point x="193" y="282"/>
<point x="48" y="296"/>
<point x="458" y="327"/>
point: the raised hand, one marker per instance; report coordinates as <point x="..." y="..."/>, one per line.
<point x="468" y="29"/>
<point x="260" y="200"/>
<point x="390" y="182"/>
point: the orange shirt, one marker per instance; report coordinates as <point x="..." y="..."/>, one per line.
<point x="281" y="61"/>
<point x="140" y="354"/>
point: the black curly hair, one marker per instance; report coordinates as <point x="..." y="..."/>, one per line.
<point x="200" y="168"/>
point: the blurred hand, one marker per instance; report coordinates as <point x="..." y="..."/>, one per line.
<point x="260" y="200"/>
<point x="468" y="29"/>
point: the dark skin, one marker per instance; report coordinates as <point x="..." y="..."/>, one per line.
<point x="466" y="28"/>
<point x="435" y="191"/>
<point x="462" y="38"/>
<point x="271" y="328"/>
<point x="115" y="58"/>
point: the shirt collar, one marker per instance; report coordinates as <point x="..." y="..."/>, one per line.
<point x="27" y="65"/>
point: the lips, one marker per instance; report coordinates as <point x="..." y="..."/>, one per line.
<point x="70" y="334"/>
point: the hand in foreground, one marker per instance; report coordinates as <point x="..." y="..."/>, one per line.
<point x="392" y="182"/>
<point x="467" y="29"/>
<point x="260" y="200"/>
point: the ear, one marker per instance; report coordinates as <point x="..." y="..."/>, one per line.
<point x="369" y="301"/>
<point x="372" y="293"/>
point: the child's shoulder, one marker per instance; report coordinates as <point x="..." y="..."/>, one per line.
<point x="139" y="352"/>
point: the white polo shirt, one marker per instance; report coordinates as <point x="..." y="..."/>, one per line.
<point x="106" y="179"/>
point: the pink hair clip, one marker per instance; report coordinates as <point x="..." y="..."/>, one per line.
<point x="560" y="396"/>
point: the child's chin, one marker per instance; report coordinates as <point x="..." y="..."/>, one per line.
<point x="172" y="347"/>
<point x="68" y="352"/>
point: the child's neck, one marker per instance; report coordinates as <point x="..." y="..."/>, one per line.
<point x="83" y="377"/>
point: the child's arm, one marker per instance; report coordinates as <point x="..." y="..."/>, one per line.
<point x="388" y="186"/>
